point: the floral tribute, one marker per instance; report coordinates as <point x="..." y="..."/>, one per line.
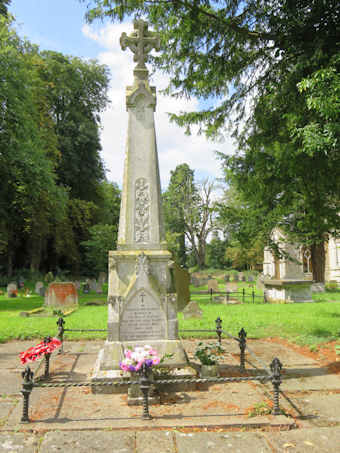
<point x="134" y="360"/>
<point x="36" y="352"/>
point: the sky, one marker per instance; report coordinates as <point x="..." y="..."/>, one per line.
<point x="60" y="25"/>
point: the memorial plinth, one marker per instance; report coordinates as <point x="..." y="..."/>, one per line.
<point x="142" y="299"/>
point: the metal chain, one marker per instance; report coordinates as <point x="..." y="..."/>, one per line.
<point x="157" y="381"/>
<point x="258" y="359"/>
<point x="85" y="330"/>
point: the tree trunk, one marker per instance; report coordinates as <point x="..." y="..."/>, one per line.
<point x="318" y="262"/>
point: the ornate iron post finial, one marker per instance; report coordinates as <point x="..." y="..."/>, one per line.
<point x="144" y="384"/>
<point x="242" y="335"/>
<point x="219" y="329"/>
<point x="27" y="387"/>
<point x="276" y="367"/>
<point x="61" y="330"/>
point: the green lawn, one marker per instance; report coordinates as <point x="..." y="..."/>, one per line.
<point x="311" y="323"/>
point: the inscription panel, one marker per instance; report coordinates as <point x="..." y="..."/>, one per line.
<point x="142" y="319"/>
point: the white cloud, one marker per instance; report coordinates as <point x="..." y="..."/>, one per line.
<point x="174" y="147"/>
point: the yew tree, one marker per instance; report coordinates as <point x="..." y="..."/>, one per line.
<point x="253" y="63"/>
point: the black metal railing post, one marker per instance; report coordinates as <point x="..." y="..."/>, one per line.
<point x="61" y="330"/>
<point x="243" y="295"/>
<point x="242" y="335"/>
<point x="253" y="295"/>
<point x="219" y="329"/>
<point x="275" y="368"/>
<point x="47" y="359"/>
<point x="227" y="296"/>
<point x="144" y="384"/>
<point x="211" y="293"/>
<point x="27" y="387"/>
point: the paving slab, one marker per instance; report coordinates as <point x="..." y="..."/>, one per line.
<point x="18" y="442"/>
<point x="155" y="442"/>
<point x="315" y="440"/>
<point x="319" y="408"/>
<point x="6" y="408"/>
<point x="221" y="442"/>
<point x="89" y="441"/>
<point x="72" y="408"/>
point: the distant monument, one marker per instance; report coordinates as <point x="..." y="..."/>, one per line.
<point x="284" y="278"/>
<point x="142" y="299"/>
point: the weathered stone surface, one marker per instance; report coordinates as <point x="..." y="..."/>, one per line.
<point x="182" y="281"/>
<point x="213" y="284"/>
<point x="61" y="294"/>
<point x="38" y="286"/>
<point x="221" y="442"/>
<point x="75" y="441"/>
<point x="231" y="286"/>
<point x="192" y="310"/>
<point x="18" y="442"/>
<point x="12" y="288"/>
<point x="147" y="441"/>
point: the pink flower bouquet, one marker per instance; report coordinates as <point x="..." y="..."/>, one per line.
<point x="134" y="360"/>
<point x="36" y="352"/>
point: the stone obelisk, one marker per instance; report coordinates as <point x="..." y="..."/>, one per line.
<point x="142" y="300"/>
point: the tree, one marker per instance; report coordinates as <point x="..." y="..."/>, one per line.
<point x="216" y="253"/>
<point x="27" y="185"/>
<point x="102" y="239"/>
<point x="189" y="212"/>
<point x="180" y="192"/>
<point x="77" y="93"/>
<point x="4" y="4"/>
<point x="251" y="56"/>
<point x="229" y="49"/>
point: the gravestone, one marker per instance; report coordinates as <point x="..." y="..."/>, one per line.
<point x="12" y="289"/>
<point x="38" y="286"/>
<point x="231" y="287"/>
<point x="42" y="291"/>
<point x="61" y="295"/>
<point x="93" y="284"/>
<point x="227" y="278"/>
<point x="250" y="278"/>
<point x="86" y="288"/>
<point x="213" y="284"/>
<point x="77" y="284"/>
<point x="195" y="281"/>
<point x="142" y="297"/>
<point x="235" y="277"/>
<point x="99" y="289"/>
<point x="219" y="299"/>
<point x="285" y="279"/>
<point x="192" y="310"/>
<point x="102" y="278"/>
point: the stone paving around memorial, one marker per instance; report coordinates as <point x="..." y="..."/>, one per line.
<point x="225" y="417"/>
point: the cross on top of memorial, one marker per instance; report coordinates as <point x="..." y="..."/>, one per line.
<point x="140" y="42"/>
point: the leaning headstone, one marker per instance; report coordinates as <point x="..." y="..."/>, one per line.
<point x="192" y="310"/>
<point x="61" y="294"/>
<point x="213" y="285"/>
<point x="12" y="289"/>
<point x="38" y="286"/>
<point x="42" y="291"/>
<point x="93" y="284"/>
<point x="102" y="278"/>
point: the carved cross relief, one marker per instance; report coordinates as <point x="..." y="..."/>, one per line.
<point x="140" y="42"/>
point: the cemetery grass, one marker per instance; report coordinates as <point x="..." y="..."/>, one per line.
<point x="305" y="324"/>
